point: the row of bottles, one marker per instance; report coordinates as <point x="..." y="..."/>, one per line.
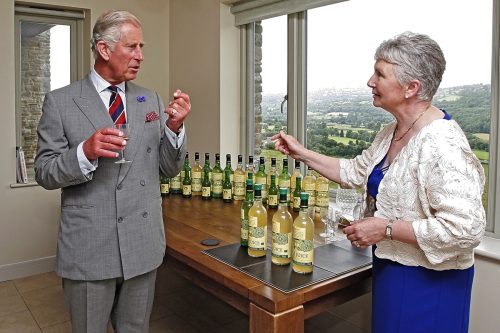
<point x="229" y="185"/>
<point x="292" y="240"/>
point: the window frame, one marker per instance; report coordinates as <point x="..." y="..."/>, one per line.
<point x="297" y="98"/>
<point x="73" y="19"/>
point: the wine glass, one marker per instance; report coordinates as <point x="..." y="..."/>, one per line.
<point x="125" y="128"/>
<point x="323" y="215"/>
<point x="347" y="200"/>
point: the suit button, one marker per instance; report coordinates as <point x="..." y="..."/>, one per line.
<point x="119" y="187"/>
<point x="145" y="214"/>
<point x="149" y="149"/>
<point x="120" y="219"/>
<point x="143" y="182"/>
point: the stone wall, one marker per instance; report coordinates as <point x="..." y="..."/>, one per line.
<point x="35" y="83"/>
<point x="258" y="89"/>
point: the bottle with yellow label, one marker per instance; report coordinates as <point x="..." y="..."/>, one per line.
<point x="175" y="184"/>
<point x="284" y="179"/>
<point x="272" y="171"/>
<point x="296" y="173"/>
<point x="186" y="181"/>
<point x="196" y="175"/>
<point x="217" y="178"/>
<point x="227" y="188"/>
<point x="272" y="197"/>
<point x="303" y="235"/>
<point x="309" y="186"/>
<point x="250" y="168"/>
<point x="282" y="232"/>
<point x="206" y="186"/>
<point x="207" y="167"/>
<point x="322" y="197"/>
<point x="296" y="194"/>
<point x="245" y="207"/>
<point x="261" y="178"/>
<point x="257" y="225"/>
<point x="239" y="180"/>
<point x="229" y="168"/>
<point x="164" y="185"/>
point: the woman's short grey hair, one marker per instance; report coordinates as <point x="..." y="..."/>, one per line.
<point x="416" y="57"/>
<point x="107" y="28"/>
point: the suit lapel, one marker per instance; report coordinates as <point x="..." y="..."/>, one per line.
<point x="91" y="105"/>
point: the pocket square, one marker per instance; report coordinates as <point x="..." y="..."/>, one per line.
<point x="152" y="116"/>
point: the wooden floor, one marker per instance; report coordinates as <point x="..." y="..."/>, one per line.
<point x="35" y="304"/>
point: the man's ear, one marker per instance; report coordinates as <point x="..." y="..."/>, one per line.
<point x="103" y="50"/>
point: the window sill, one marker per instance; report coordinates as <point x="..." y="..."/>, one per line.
<point x="489" y="248"/>
<point x="18" y="185"/>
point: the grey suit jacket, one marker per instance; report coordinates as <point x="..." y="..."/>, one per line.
<point x="111" y="221"/>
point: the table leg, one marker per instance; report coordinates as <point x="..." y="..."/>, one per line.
<point x="262" y="321"/>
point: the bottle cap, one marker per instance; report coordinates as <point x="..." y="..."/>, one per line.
<point x="304" y="200"/>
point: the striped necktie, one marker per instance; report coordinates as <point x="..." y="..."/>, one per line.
<point x="116" y="107"/>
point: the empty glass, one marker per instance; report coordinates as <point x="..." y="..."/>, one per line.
<point x="346" y="200"/>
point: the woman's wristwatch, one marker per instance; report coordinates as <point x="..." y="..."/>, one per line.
<point x="388" y="228"/>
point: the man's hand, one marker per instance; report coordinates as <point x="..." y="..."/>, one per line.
<point x="105" y="142"/>
<point x="177" y="110"/>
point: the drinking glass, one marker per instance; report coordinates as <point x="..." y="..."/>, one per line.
<point x="323" y="215"/>
<point x="125" y="128"/>
<point x="347" y="200"/>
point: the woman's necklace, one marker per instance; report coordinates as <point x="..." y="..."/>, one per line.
<point x="411" y="126"/>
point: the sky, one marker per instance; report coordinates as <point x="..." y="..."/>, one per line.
<point x="59" y="56"/>
<point x="343" y="37"/>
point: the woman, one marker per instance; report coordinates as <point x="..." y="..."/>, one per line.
<point x="423" y="187"/>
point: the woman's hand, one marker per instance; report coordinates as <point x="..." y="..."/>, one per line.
<point x="366" y="232"/>
<point x="288" y="145"/>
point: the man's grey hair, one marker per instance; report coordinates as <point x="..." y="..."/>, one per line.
<point x="416" y="57"/>
<point x="107" y="28"/>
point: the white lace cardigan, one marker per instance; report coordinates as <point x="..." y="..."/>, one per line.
<point x="435" y="183"/>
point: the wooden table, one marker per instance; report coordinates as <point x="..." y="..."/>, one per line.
<point x="189" y="221"/>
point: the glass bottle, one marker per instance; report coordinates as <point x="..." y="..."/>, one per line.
<point x="272" y="198"/>
<point x="227" y="187"/>
<point x="284" y="179"/>
<point x="245" y="207"/>
<point x="186" y="181"/>
<point x="206" y="166"/>
<point x="239" y="180"/>
<point x="273" y="170"/>
<point x="296" y="194"/>
<point x="217" y="178"/>
<point x="196" y="173"/>
<point x="250" y="168"/>
<point x="261" y="178"/>
<point x="175" y="184"/>
<point x="206" y="186"/>
<point x="229" y="168"/>
<point x="164" y="185"/>
<point x="322" y="197"/>
<point x="257" y="225"/>
<point x="282" y="232"/>
<point x="303" y="235"/>
<point x="309" y="186"/>
<point x="296" y="173"/>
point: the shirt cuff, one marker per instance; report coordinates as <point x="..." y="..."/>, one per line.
<point x="85" y="165"/>
<point x="176" y="139"/>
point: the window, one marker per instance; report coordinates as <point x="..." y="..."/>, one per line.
<point x="48" y="56"/>
<point x="340" y="41"/>
<point x="270" y="110"/>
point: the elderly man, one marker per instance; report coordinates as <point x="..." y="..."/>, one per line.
<point x="111" y="237"/>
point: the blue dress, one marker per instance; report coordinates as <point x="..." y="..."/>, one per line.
<point x="408" y="299"/>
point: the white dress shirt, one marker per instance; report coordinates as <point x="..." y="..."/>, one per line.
<point x="101" y="86"/>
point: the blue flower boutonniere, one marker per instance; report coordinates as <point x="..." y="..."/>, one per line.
<point x="141" y="99"/>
